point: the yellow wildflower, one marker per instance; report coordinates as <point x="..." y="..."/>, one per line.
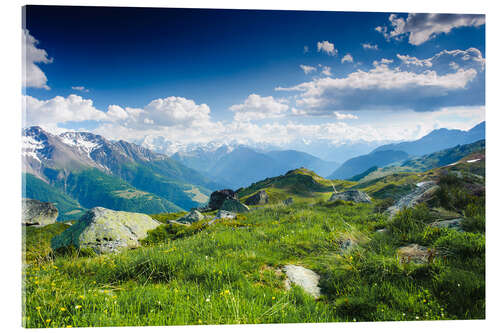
<point x="38" y="308"/>
<point x="63" y="309"/>
<point x="78" y="307"/>
<point x="48" y="321"/>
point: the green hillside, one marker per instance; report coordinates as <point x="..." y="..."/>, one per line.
<point x="35" y="188"/>
<point x="231" y="272"/>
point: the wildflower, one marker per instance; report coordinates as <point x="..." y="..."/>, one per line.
<point x="458" y="284"/>
<point x="78" y="307"/>
<point x="38" y="308"/>
<point x="69" y="326"/>
<point x="226" y="292"/>
<point x="425" y="300"/>
<point x="81" y="297"/>
<point x="63" y="309"/>
<point x="273" y="298"/>
<point x="113" y="297"/>
<point x="417" y="317"/>
<point x="48" y="321"/>
<point x="207" y="300"/>
<point x="199" y="321"/>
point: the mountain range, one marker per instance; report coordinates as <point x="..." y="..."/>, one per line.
<point x="385" y="155"/>
<point x="88" y="170"/>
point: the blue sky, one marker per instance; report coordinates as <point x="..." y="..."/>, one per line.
<point x="269" y="77"/>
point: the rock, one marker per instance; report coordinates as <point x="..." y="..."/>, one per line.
<point x="223" y="214"/>
<point x="381" y="231"/>
<point x="105" y="230"/>
<point x="217" y="198"/>
<point x="351" y="195"/>
<point x="38" y="213"/>
<point x="235" y="206"/>
<point x="423" y="192"/>
<point x="191" y="217"/>
<point x="304" y="278"/>
<point x="416" y="253"/>
<point x="288" y="201"/>
<point x="452" y="224"/>
<point x="347" y="244"/>
<point x="259" y="198"/>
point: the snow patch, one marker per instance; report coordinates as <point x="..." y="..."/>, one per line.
<point x="473" y="161"/>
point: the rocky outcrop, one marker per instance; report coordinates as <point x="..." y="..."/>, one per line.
<point x="38" y="213"/>
<point x="416" y="253"/>
<point x="452" y="224"/>
<point x="351" y="195"/>
<point x="105" y="230"/>
<point x="223" y="214"/>
<point x="304" y="278"/>
<point x="217" y="198"/>
<point x="191" y="217"/>
<point x="288" y="201"/>
<point x="259" y="198"/>
<point x="233" y="205"/>
<point x="422" y="192"/>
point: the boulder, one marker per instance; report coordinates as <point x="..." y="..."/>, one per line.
<point x="105" y="230"/>
<point x="416" y="253"/>
<point x="223" y="214"/>
<point x="452" y="224"/>
<point x="191" y="217"/>
<point x="304" y="278"/>
<point x="217" y="198"/>
<point x="351" y="195"/>
<point x="235" y="206"/>
<point x="38" y="213"/>
<point x="259" y="198"/>
<point x="288" y="201"/>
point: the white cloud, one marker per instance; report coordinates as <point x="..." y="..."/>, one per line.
<point x="407" y="60"/>
<point x="306" y="49"/>
<point x="256" y="107"/>
<point x="347" y="58"/>
<point x="33" y="76"/>
<point x="327" y="47"/>
<point x="368" y="46"/>
<point x="60" y="110"/>
<point x="423" y="27"/>
<point x="80" y="88"/>
<point x="173" y="111"/>
<point x="382" y="61"/>
<point x="307" y="69"/>
<point x="342" y="116"/>
<point x="326" y="70"/>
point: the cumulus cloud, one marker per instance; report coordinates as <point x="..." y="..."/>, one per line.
<point x="60" y="110"/>
<point x="326" y="70"/>
<point x="386" y="87"/>
<point x="422" y="27"/>
<point x="471" y="57"/>
<point x="347" y="58"/>
<point x="256" y="107"/>
<point x="33" y="76"/>
<point x="407" y="60"/>
<point x="307" y="69"/>
<point x="327" y="47"/>
<point x="382" y="61"/>
<point x="368" y="46"/>
<point x="80" y="88"/>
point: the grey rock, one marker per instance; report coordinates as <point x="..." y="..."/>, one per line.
<point x="192" y="216"/>
<point x="259" y="198"/>
<point x="424" y="191"/>
<point x="217" y="198"/>
<point x="416" y="253"/>
<point x="288" y="201"/>
<point x="347" y="244"/>
<point x="233" y="205"/>
<point x="452" y="224"/>
<point x="351" y="195"/>
<point x="38" y="213"/>
<point x="223" y="214"/>
<point x="304" y="278"/>
<point x="105" y="230"/>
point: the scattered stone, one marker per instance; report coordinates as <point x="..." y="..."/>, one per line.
<point x="217" y="198"/>
<point x="38" y="213"/>
<point x="234" y="205"/>
<point x="351" y="195"/>
<point x="288" y="201"/>
<point x="259" y="198"/>
<point x="105" y="231"/>
<point x="304" y="278"/>
<point x="223" y="214"/>
<point x="416" y="253"/>
<point x="191" y="217"/>
<point x="347" y="244"/>
<point x="381" y="231"/>
<point x="452" y="224"/>
<point x="423" y="192"/>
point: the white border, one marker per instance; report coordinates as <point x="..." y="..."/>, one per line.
<point x="10" y="300"/>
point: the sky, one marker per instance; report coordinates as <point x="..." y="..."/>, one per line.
<point x="279" y="78"/>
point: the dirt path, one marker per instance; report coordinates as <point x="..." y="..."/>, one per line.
<point x="412" y="198"/>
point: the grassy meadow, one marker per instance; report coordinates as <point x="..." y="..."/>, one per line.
<point x="229" y="272"/>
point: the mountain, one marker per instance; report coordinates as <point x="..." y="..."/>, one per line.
<point x="438" y="140"/>
<point x="359" y="164"/>
<point x="237" y="166"/>
<point x="427" y="162"/>
<point x="116" y="174"/>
